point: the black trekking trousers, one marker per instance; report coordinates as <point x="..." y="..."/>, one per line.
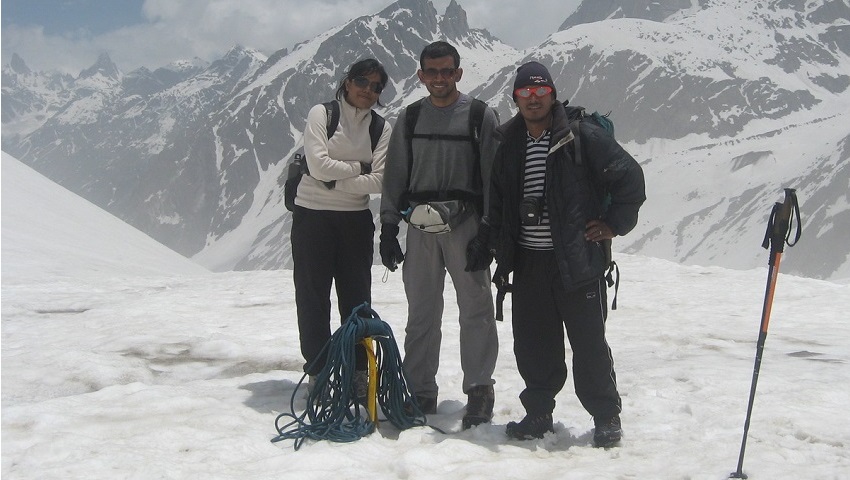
<point x="541" y="310"/>
<point x="329" y="247"/>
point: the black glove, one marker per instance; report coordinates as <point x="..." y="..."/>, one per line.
<point x="365" y="168"/>
<point x="478" y="255"/>
<point x="500" y="278"/>
<point x="390" y="250"/>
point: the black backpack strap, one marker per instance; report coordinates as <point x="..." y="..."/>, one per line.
<point x="299" y="167"/>
<point x="332" y="113"/>
<point x="574" y="128"/>
<point x="332" y="109"/>
<point x="411" y="116"/>
<point x="442" y="195"/>
<point x="476" y="119"/>
<point x="376" y="128"/>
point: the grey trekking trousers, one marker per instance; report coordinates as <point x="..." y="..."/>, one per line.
<point x="427" y="258"/>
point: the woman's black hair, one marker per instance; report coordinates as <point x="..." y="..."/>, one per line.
<point x="361" y="68"/>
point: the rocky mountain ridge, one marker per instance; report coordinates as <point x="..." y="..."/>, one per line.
<point x="193" y="154"/>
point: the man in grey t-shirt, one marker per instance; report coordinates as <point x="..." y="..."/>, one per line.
<point x="442" y="169"/>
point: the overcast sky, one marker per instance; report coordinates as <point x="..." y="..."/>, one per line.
<point x="68" y="35"/>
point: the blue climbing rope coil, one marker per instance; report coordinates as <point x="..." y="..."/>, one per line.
<point x="333" y="411"/>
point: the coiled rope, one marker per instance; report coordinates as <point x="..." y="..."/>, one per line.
<point x="333" y="411"/>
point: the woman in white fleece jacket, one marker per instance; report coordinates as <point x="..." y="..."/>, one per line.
<point x="332" y="227"/>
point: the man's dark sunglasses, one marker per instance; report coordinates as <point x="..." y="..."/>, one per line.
<point x="443" y="72"/>
<point x="363" y="82"/>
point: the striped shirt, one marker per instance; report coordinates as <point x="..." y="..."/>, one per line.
<point x="536" y="237"/>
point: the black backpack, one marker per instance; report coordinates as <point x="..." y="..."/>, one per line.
<point x="579" y="114"/>
<point x="575" y="115"/>
<point x="298" y="166"/>
<point x="476" y="118"/>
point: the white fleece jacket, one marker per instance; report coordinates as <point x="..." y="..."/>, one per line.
<point x="338" y="158"/>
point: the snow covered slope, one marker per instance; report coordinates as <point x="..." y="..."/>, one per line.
<point x="50" y="233"/>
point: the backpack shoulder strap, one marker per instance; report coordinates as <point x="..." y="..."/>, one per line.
<point x="332" y="113"/>
<point x="476" y="119"/>
<point x="299" y="167"/>
<point x="574" y="128"/>
<point x="332" y="109"/>
<point x="376" y="128"/>
<point x="411" y="116"/>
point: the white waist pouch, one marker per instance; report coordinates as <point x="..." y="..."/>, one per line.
<point x="437" y="217"/>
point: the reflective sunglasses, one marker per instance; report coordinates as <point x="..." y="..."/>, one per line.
<point x="443" y="72"/>
<point x="363" y="82"/>
<point x="527" y="92"/>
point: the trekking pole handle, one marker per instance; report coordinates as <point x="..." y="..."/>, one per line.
<point x="779" y="225"/>
<point x="783" y="218"/>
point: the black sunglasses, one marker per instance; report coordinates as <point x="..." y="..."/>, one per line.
<point x="363" y="82"/>
<point x="443" y="72"/>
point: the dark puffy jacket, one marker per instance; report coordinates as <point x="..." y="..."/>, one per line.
<point x="571" y="196"/>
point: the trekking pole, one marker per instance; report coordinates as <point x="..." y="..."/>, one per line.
<point x="776" y="237"/>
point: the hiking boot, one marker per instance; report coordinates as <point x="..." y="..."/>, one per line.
<point x="530" y="427"/>
<point x="479" y="406"/>
<point x="361" y="386"/>
<point x="427" y="405"/>
<point x="608" y="431"/>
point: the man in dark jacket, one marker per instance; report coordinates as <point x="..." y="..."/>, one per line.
<point x="549" y="227"/>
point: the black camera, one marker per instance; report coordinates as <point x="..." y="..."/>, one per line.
<point x="531" y="210"/>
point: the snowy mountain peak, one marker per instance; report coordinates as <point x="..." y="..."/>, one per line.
<point x="18" y="66"/>
<point x="104" y="67"/>
<point x="236" y="61"/>
<point x="654" y="10"/>
<point x="701" y="93"/>
<point x="454" y="23"/>
<point x="237" y="52"/>
<point x="195" y="64"/>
